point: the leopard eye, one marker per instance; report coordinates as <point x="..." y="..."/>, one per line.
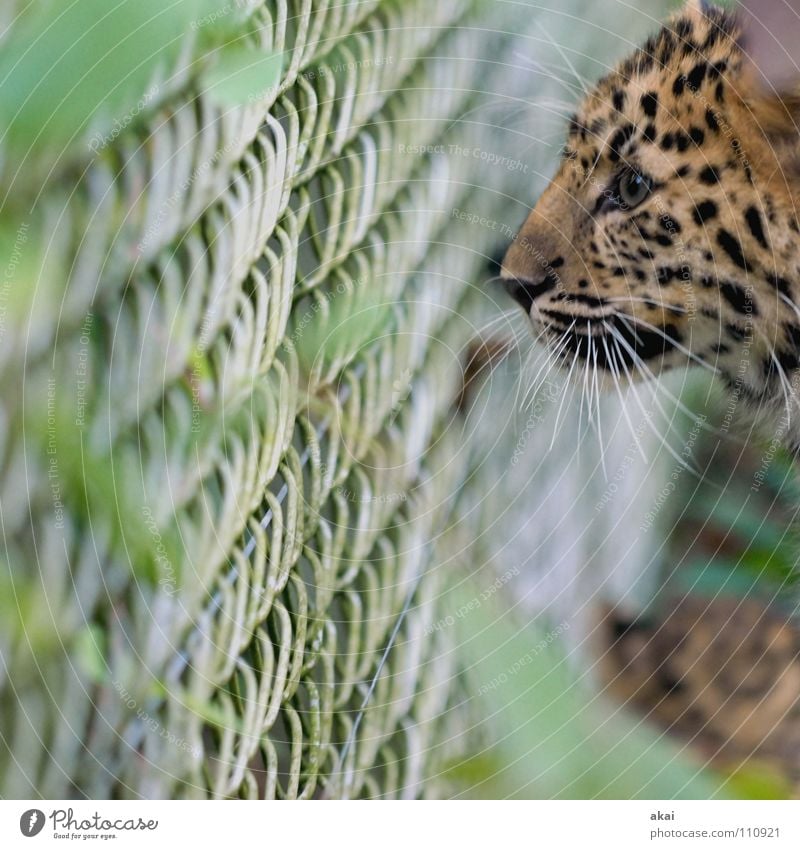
<point x="633" y="189"/>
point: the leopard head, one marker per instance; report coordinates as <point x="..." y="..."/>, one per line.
<point x="670" y="232"/>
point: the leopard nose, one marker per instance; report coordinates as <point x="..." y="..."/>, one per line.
<point x="520" y="291"/>
<point x="526" y="292"/>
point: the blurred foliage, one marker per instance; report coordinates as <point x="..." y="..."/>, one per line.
<point x="733" y="527"/>
<point x="67" y="69"/>
<point x="331" y="326"/>
<point x="759" y="781"/>
<point x="64" y="65"/>
<point x="242" y="76"/>
<point x="549" y="736"/>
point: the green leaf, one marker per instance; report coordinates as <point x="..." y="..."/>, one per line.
<point x="65" y="66"/>
<point x="242" y="75"/>
<point x="330" y="327"/>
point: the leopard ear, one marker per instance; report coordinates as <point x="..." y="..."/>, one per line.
<point x="699" y="11"/>
<point x="692" y="8"/>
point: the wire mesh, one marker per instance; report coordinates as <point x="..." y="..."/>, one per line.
<point x="226" y="468"/>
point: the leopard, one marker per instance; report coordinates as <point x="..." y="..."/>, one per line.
<point x="669" y="238"/>
<point x="721" y="674"/>
<point x="669" y="235"/>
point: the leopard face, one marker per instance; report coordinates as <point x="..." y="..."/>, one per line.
<point x="669" y="234"/>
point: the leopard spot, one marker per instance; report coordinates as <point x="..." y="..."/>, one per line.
<point x="738" y="298"/>
<point x="753" y="219"/>
<point x="733" y="248"/>
<point x="649" y="103"/>
<point x="712" y="121"/>
<point x="695" y="77"/>
<point x="705" y="211"/>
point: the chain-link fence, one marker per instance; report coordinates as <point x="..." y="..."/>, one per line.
<point x="237" y="314"/>
<point x="232" y="348"/>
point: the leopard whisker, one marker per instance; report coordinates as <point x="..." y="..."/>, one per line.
<point x="789" y="302"/>
<point x="611" y="359"/>
<point x="584" y="85"/>
<point x="785" y="386"/>
<point x="590" y="396"/>
<point x="647" y="375"/>
<point x="632" y="386"/>
<point x="548" y="366"/>
<point x="626" y="317"/>
<point x="555" y="72"/>
<point x="585" y="395"/>
<point x="509" y="317"/>
<point x="567" y="384"/>
<point x="533" y="356"/>
<point x="596" y="380"/>
<point x="783" y="377"/>
<point x="647" y="414"/>
<point x="538" y="359"/>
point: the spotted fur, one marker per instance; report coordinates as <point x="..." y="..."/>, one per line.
<point x="706" y="268"/>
